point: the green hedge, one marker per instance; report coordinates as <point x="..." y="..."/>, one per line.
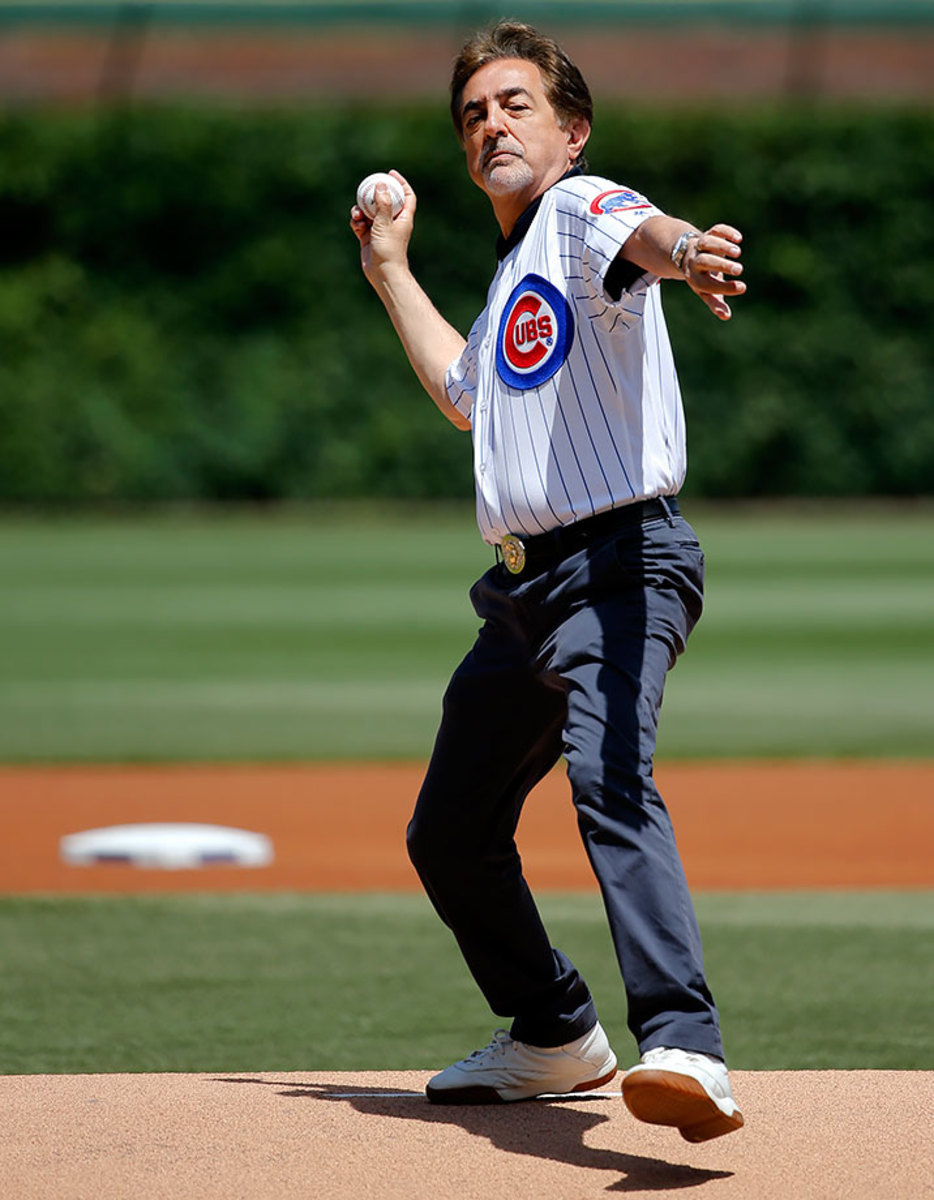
<point x="182" y="314"/>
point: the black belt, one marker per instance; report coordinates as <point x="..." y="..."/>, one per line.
<point x="518" y="553"/>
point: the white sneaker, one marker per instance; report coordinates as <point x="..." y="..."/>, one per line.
<point x="509" y="1070"/>
<point x="682" y="1088"/>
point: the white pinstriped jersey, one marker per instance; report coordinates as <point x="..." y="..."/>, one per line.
<point x="573" y="397"/>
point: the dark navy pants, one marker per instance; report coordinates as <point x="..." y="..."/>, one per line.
<point x="570" y="660"/>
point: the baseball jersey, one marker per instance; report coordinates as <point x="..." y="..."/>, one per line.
<point x="572" y="395"/>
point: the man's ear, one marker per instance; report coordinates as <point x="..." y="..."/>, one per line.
<point x="577" y="131"/>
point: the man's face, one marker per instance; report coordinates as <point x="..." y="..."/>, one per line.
<point x="513" y="142"/>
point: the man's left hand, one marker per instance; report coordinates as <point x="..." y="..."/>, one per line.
<point x="711" y="268"/>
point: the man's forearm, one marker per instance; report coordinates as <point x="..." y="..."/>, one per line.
<point x="707" y="260"/>
<point x="430" y="343"/>
<point x="650" y="246"/>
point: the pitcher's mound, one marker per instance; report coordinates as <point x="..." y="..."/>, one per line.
<point x="337" y="1135"/>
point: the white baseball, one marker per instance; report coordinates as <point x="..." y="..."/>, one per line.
<point x="366" y="198"/>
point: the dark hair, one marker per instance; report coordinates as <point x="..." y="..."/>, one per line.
<point x="565" y="87"/>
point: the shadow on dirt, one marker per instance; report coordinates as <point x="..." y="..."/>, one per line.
<point x="546" y="1128"/>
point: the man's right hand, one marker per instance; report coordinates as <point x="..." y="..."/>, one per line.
<point x="383" y="240"/>
<point x="429" y="341"/>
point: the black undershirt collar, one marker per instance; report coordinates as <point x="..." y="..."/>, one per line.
<point x="521" y="227"/>
<point x="620" y="275"/>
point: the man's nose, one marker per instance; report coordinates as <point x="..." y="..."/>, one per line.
<point x="494" y="125"/>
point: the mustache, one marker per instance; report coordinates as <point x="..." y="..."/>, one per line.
<point x="500" y="147"/>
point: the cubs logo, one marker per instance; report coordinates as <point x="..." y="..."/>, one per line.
<point x="617" y="200"/>
<point x="535" y="333"/>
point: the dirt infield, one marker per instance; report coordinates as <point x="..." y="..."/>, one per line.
<point x="809" y="1135"/>
<point x="341" y="827"/>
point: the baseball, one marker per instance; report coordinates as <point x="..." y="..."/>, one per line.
<point x="365" y="193"/>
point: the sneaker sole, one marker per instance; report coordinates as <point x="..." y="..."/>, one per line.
<point x="668" y="1098"/>
<point x="476" y="1094"/>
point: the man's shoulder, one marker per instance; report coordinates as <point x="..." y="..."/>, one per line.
<point x="576" y="192"/>
<point x="596" y="196"/>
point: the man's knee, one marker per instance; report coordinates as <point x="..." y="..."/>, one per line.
<point x="418" y="844"/>
<point x="449" y="852"/>
<point x="599" y="787"/>
<point x="433" y="845"/>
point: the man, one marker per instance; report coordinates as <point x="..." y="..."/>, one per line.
<point x="568" y="386"/>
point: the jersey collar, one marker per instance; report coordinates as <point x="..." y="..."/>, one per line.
<point x="505" y="244"/>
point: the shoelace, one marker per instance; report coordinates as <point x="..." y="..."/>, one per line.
<point x="500" y="1043"/>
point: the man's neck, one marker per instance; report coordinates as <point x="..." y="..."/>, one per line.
<point x="508" y="209"/>
<point x="508" y="227"/>
<point x="510" y="206"/>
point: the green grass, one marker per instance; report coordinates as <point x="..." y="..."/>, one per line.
<point x="210" y="983"/>
<point x="330" y="633"/>
<point x="817" y="636"/>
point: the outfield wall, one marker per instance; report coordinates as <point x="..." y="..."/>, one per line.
<point x="666" y="51"/>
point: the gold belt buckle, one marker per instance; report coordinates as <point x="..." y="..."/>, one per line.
<point x="512" y="549"/>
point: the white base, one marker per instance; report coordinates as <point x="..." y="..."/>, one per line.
<point x="170" y="846"/>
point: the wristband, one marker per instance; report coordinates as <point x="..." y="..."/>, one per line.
<point x="680" y="247"/>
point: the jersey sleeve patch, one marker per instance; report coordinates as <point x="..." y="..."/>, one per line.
<point x="618" y="200"/>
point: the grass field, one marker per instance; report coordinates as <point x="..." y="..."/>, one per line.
<point x="291" y="982"/>
<point x="330" y="633"/>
